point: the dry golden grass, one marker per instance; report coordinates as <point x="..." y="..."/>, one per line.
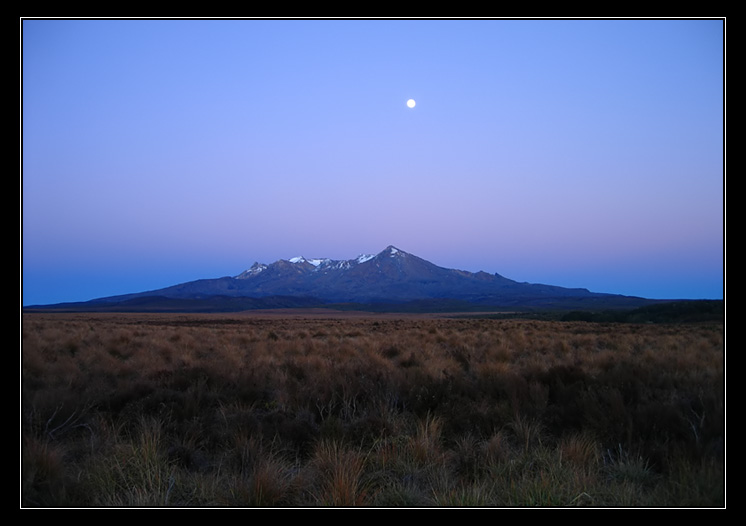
<point x="352" y="410"/>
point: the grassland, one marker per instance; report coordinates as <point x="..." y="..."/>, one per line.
<point x="369" y="410"/>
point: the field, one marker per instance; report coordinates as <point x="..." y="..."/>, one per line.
<point x="322" y="409"/>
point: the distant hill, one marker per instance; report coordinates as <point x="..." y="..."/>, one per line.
<point x="665" y="312"/>
<point x="392" y="279"/>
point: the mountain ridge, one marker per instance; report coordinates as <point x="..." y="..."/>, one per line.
<point x="391" y="276"/>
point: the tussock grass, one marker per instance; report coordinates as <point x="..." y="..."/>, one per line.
<point x="241" y="410"/>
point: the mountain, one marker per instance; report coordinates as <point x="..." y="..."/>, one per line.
<point x="392" y="276"/>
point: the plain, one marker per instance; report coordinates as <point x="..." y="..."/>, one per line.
<point x="349" y="409"/>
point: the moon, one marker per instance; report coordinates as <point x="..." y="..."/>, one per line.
<point x="411" y="103"/>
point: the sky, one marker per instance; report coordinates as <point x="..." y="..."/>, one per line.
<point x="579" y="153"/>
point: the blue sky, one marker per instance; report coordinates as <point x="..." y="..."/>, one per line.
<point x="582" y="153"/>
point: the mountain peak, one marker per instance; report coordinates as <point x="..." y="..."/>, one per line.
<point x="392" y="251"/>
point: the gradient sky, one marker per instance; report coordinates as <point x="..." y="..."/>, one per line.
<point x="580" y="153"/>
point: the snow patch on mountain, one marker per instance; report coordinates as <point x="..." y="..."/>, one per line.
<point x="327" y="263"/>
<point x="324" y="264"/>
<point x="255" y="269"/>
<point x="301" y="259"/>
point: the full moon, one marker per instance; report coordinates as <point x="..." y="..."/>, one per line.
<point x="411" y="103"/>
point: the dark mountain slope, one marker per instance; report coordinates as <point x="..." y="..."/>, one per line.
<point x="391" y="276"/>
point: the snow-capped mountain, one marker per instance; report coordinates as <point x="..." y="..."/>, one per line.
<point x="391" y="276"/>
